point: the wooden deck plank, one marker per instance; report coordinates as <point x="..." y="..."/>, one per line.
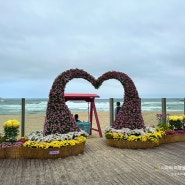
<point x="101" y="165"/>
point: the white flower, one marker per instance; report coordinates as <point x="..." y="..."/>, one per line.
<point x="38" y="136"/>
<point x="127" y="132"/>
<point x="150" y="129"/>
<point x="107" y="129"/>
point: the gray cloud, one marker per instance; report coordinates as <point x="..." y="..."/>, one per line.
<point x="41" y="39"/>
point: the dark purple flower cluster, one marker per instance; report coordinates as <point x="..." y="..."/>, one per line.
<point x="130" y="115"/>
<point x="162" y="118"/>
<point x="59" y="118"/>
<point x="170" y="132"/>
<point x="159" y="116"/>
<point x="180" y="131"/>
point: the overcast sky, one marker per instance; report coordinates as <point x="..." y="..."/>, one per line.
<point x="41" y="39"/>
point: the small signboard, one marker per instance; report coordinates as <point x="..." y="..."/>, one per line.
<point x="54" y="152"/>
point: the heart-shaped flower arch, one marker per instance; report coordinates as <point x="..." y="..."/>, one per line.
<point x="59" y="118"/>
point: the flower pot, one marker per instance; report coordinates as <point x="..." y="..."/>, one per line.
<point x="53" y="153"/>
<point x="141" y="145"/>
<point x="29" y="153"/>
<point x="2" y="153"/>
<point x="13" y="152"/>
<point x="170" y="138"/>
<point x="117" y="143"/>
<point x="131" y="144"/>
<point x="179" y="137"/>
<point x="162" y="141"/>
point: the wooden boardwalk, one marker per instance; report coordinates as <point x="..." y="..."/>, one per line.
<point x="101" y="165"/>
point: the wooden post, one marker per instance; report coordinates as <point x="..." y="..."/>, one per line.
<point x="111" y="108"/>
<point x="23" y="118"/>
<point x="164" y="110"/>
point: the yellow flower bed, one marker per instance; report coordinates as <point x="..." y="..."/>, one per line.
<point x="54" y="144"/>
<point x="153" y="137"/>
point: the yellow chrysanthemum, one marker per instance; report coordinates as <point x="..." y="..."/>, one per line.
<point x="176" y="118"/>
<point x="134" y="138"/>
<point x="11" y="123"/>
<point x="118" y="135"/>
<point x="54" y="144"/>
<point x="144" y="138"/>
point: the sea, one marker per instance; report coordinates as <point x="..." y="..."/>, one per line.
<point x="13" y="106"/>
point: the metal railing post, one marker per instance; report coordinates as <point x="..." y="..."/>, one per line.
<point x="164" y="110"/>
<point x="111" y="108"/>
<point x="23" y="117"/>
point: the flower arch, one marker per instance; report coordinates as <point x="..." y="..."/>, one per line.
<point x="59" y="118"/>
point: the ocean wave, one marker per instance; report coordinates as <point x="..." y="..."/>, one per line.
<point x="39" y="106"/>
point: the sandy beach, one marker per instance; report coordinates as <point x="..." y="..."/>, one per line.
<point x="35" y="122"/>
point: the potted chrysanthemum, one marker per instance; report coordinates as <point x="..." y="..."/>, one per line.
<point x="11" y="130"/>
<point x="177" y="122"/>
<point x="174" y="127"/>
